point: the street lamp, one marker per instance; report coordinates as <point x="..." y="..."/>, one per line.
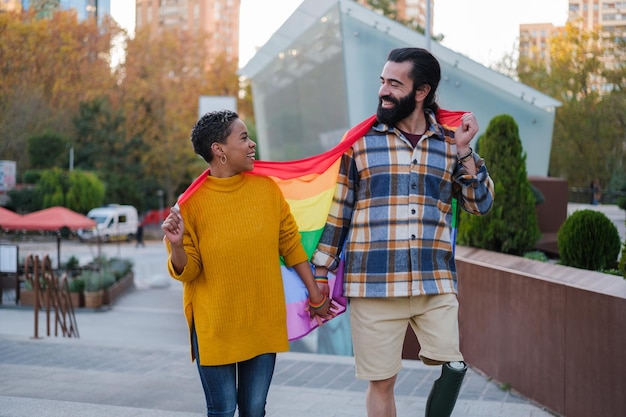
<point x="160" y="194"/>
<point x="71" y="157"/>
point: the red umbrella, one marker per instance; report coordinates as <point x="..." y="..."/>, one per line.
<point x="52" y="219"/>
<point x="7" y="216"/>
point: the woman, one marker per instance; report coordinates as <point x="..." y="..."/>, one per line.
<point x="224" y="243"/>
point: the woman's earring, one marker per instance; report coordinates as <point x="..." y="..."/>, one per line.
<point x="223" y="159"/>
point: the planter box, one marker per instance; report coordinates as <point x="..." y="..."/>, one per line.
<point x="116" y="290"/>
<point x="77" y="299"/>
<point x="27" y="298"/>
<point x="93" y="299"/>
<point x="89" y="299"/>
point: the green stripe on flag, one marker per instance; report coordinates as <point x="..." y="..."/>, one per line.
<point x="309" y="241"/>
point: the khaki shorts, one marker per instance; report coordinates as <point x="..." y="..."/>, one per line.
<point x="379" y="327"/>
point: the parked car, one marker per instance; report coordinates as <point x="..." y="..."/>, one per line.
<point x="113" y="222"/>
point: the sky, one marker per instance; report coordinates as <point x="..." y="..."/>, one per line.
<point x="483" y="30"/>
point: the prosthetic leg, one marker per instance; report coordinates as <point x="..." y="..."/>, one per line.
<point x="445" y="391"/>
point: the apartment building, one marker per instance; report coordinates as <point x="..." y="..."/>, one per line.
<point x="534" y="40"/>
<point x="10" y="5"/>
<point x="85" y="9"/>
<point x="608" y="15"/>
<point x="219" y="18"/>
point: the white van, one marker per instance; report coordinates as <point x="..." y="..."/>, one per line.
<point x="113" y="222"/>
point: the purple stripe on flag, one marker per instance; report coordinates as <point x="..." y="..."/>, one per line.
<point x="299" y="324"/>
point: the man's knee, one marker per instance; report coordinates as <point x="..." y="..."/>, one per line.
<point x="383" y="385"/>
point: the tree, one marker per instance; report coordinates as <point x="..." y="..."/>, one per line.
<point x="77" y="190"/>
<point x="47" y="150"/>
<point x="162" y="84"/>
<point x="613" y="107"/>
<point x="589" y="129"/>
<point x="85" y="191"/>
<point x="47" y="67"/>
<point x="511" y="225"/>
<point x="389" y="8"/>
<point x="100" y="131"/>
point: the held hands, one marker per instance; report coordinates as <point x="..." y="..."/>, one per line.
<point x="322" y="308"/>
<point x="322" y="284"/>
<point x="173" y="227"/>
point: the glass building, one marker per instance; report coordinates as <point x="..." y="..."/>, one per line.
<point x="319" y="75"/>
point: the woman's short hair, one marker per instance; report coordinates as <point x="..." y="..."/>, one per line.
<point x="212" y="127"/>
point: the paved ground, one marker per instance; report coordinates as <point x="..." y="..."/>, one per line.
<point x="132" y="360"/>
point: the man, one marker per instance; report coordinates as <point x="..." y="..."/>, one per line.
<point x="391" y="215"/>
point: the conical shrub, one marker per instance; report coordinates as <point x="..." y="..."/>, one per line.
<point x="511" y="225"/>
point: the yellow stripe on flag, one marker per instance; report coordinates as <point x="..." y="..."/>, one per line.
<point x="311" y="213"/>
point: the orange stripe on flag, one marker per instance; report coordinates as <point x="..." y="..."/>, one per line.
<point x="309" y="185"/>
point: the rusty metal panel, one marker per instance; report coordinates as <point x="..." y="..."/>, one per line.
<point x="595" y="370"/>
<point x="554" y="333"/>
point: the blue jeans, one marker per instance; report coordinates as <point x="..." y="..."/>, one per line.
<point x="220" y="384"/>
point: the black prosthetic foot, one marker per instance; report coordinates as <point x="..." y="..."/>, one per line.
<point x="445" y="391"/>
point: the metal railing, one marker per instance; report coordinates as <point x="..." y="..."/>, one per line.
<point x="584" y="195"/>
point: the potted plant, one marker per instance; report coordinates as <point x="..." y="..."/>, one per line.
<point x="72" y="267"/>
<point x="93" y="288"/>
<point x="121" y="269"/>
<point x="77" y="287"/>
<point x="27" y="293"/>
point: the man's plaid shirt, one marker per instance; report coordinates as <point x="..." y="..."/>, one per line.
<point x="392" y="209"/>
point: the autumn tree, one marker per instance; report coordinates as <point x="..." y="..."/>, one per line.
<point x="77" y="190"/>
<point x="164" y="76"/>
<point x="48" y="66"/>
<point x="389" y="8"/>
<point x="613" y="106"/>
<point x="47" y="150"/>
<point x="589" y="130"/>
<point x="101" y="146"/>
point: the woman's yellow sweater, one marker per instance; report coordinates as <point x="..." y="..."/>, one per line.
<point x="235" y="230"/>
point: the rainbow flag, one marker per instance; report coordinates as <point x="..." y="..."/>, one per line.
<point x="308" y="186"/>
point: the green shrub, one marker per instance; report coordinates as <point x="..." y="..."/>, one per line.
<point x="588" y="240"/>
<point x="97" y="280"/>
<point x="119" y="267"/>
<point x="72" y="263"/>
<point x="511" y="226"/>
<point x="76" y="285"/>
<point x="537" y="256"/>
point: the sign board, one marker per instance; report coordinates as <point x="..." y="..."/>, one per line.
<point x="7" y="175"/>
<point x="213" y="103"/>
<point x="8" y="258"/>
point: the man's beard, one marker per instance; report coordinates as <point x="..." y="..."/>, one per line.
<point x="402" y="109"/>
